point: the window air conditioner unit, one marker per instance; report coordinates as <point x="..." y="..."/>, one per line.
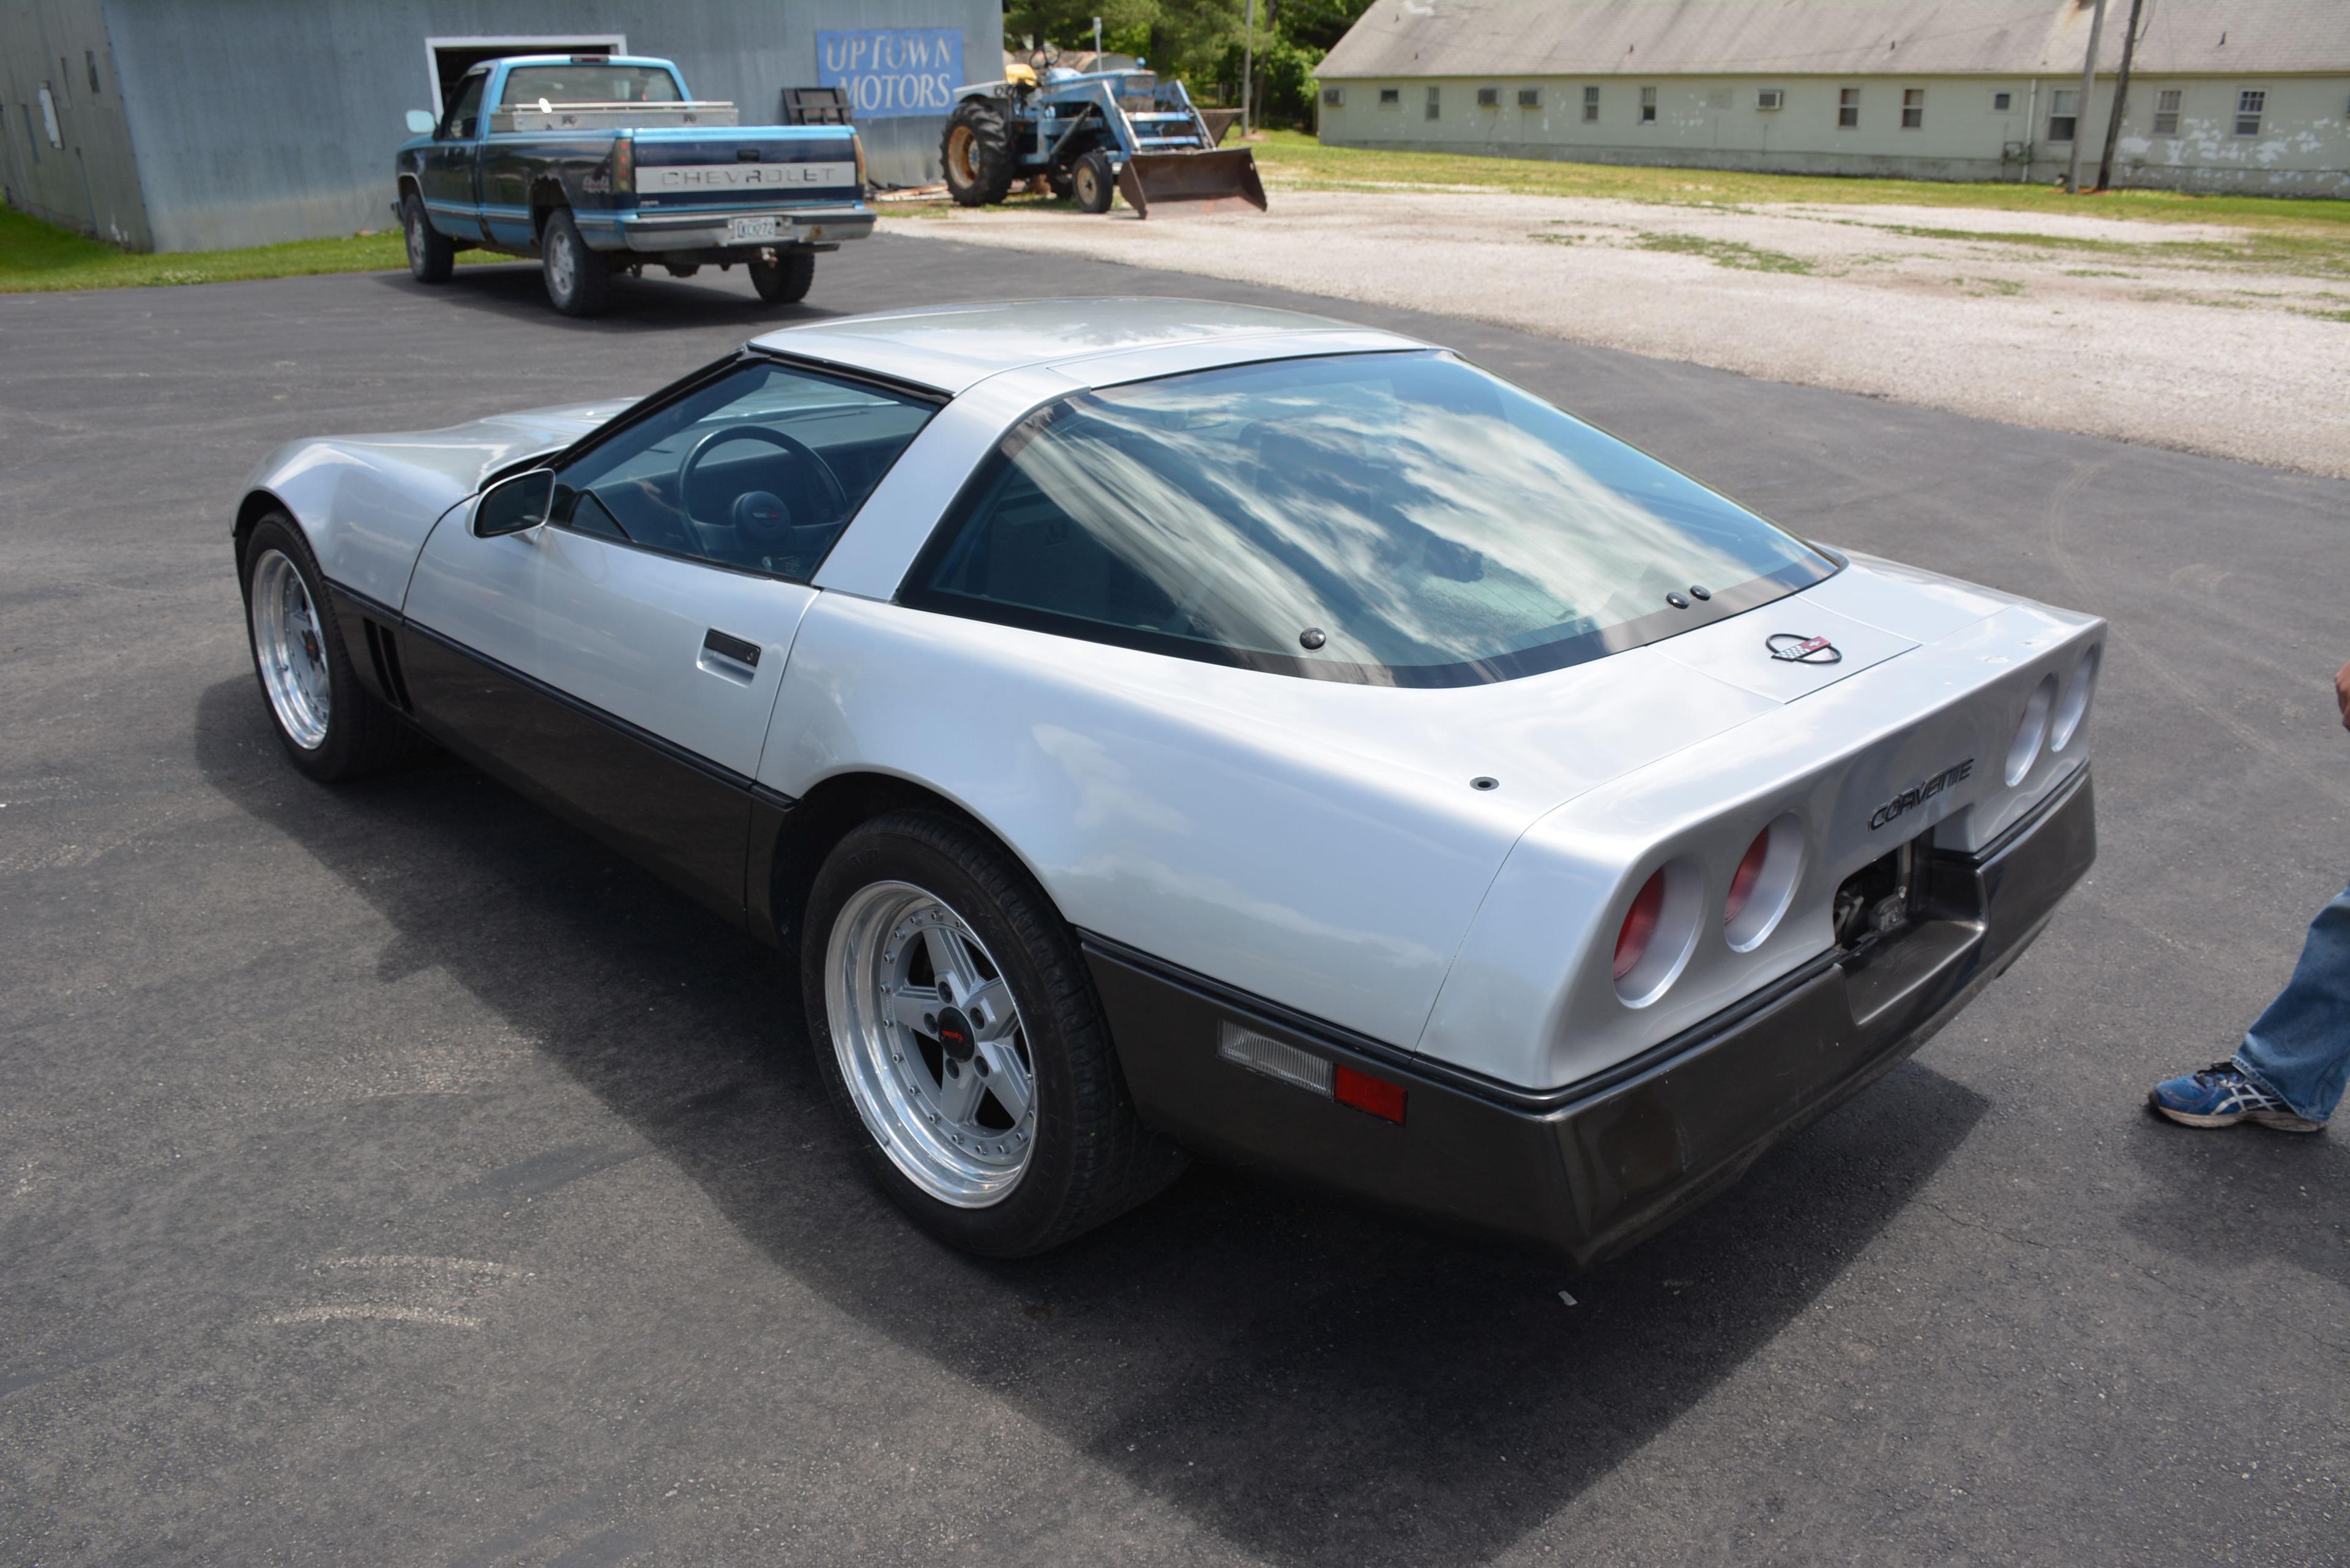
<point x="1771" y="97"/>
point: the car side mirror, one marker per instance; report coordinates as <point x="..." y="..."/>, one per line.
<point x="420" y="122"/>
<point x="513" y="505"/>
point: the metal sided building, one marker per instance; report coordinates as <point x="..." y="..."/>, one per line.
<point x="178" y="125"/>
<point x="2248" y="96"/>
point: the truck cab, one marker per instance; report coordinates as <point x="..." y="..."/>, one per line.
<point x="598" y="164"/>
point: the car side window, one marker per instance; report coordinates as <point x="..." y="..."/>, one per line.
<point x="758" y="470"/>
<point x="465" y="111"/>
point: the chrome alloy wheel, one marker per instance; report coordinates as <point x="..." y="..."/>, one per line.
<point x="290" y="647"/>
<point x="562" y="265"/>
<point x="930" y="1045"/>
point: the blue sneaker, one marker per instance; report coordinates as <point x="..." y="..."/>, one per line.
<point x="2220" y="1097"/>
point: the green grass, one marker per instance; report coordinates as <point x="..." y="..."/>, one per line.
<point x="35" y="255"/>
<point x="1297" y="159"/>
<point x="1725" y="253"/>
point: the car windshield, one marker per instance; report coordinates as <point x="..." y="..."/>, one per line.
<point x="1399" y="519"/>
<point x="574" y="82"/>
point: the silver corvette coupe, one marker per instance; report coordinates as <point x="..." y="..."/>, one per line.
<point x="1154" y="726"/>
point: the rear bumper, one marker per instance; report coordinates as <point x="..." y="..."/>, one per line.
<point x="1592" y="1167"/>
<point x="656" y="232"/>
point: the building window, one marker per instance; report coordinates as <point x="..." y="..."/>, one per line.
<point x="49" y="118"/>
<point x="1390" y="97"/>
<point x="1849" y="109"/>
<point x="2250" y="104"/>
<point x="1770" y="98"/>
<point x="1488" y="98"/>
<point x="2063" y="112"/>
<point x="1530" y="97"/>
<point x="1590" y="104"/>
<point x="1913" y="108"/>
<point x="90" y="58"/>
<point x="2001" y="103"/>
<point x="1435" y="103"/>
<point x="1334" y="97"/>
<point x="1647" y="106"/>
<point x="2166" y="112"/>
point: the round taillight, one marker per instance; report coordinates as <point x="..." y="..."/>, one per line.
<point x="2076" y="706"/>
<point x="1639" y="927"/>
<point x="2031" y="729"/>
<point x="1743" y="880"/>
<point x="1763" y="885"/>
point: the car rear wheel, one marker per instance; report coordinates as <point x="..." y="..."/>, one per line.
<point x="976" y="152"/>
<point x="431" y="257"/>
<point x="578" y="281"/>
<point x="331" y="726"/>
<point x="785" y="280"/>
<point x="1092" y="182"/>
<point x="956" y="1025"/>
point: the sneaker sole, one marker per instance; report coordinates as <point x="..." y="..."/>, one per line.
<point x="2194" y="1118"/>
<point x="2286" y="1121"/>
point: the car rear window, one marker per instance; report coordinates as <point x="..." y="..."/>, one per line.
<point x="584" y="82"/>
<point x="1400" y="519"/>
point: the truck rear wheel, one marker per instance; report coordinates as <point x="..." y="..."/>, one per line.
<point x="785" y="279"/>
<point x="430" y="256"/>
<point x="578" y="281"/>
<point x="977" y="153"/>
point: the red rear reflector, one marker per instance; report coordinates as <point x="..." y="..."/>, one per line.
<point x="1743" y="880"/>
<point x="1365" y="1093"/>
<point x="1640" y="925"/>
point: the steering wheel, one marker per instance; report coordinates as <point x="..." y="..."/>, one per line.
<point x="791" y="445"/>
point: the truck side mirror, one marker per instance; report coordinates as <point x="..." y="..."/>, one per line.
<point x="513" y="505"/>
<point x="420" y="122"/>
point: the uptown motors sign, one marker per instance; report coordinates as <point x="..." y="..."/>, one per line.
<point x="894" y="71"/>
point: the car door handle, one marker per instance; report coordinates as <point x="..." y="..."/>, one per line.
<point x="729" y="657"/>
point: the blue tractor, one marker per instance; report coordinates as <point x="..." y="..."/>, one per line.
<point x="1087" y="134"/>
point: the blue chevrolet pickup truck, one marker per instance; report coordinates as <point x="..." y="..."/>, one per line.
<point x="599" y="164"/>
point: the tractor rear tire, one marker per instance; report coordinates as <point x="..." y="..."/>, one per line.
<point x="1093" y="182"/>
<point x="976" y="153"/>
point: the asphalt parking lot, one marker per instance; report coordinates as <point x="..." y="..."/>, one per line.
<point x="392" y="1177"/>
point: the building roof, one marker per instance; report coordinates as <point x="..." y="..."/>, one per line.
<point x="1835" y="38"/>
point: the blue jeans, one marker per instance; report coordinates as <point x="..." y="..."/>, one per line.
<point x="2299" y="1050"/>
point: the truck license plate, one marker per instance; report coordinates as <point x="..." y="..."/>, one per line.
<point x="753" y="229"/>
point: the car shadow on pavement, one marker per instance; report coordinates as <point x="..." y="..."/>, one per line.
<point x="654" y="303"/>
<point x="2241" y="1195"/>
<point x="1317" y="1383"/>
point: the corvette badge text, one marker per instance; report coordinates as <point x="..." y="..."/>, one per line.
<point x="1919" y="795"/>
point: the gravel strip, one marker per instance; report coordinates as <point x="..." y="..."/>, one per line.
<point x="2093" y="326"/>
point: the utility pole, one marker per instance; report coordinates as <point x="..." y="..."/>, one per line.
<point x="2088" y="86"/>
<point x="1248" y="69"/>
<point x="2121" y="98"/>
<point x="1098" y="65"/>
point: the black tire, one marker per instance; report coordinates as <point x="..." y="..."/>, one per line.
<point x="1093" y="182"/>
<point x="1092" y="1158"/>
<point x="363" y="734"/>
<point x="431" y="257"/>
<point x="578" y="280"/>
<point x="785" y="280"/>
<point x="976" y="153"/>
<point x="1061" y="184"/>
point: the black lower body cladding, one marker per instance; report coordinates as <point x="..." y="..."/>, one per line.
<point x="1591" y="1168"/>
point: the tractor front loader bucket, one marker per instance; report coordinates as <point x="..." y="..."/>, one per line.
<point x="1192" y="181"/>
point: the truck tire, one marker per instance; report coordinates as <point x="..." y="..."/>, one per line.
<point x="578" y="281"/>
<point x="785" y="279"/>
<point x="976" y="153"/>
<point x="1093" y="182"/>
<point x="430" y="255"/>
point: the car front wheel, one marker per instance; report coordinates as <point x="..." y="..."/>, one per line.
<point x="956" y="1025"/>
<point x="332" y="726"/>
<point x="430" y="255"/>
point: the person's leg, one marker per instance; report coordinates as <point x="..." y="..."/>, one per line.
<point x="2290" y="1070"/>
<point x="2299" y="1049"/>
